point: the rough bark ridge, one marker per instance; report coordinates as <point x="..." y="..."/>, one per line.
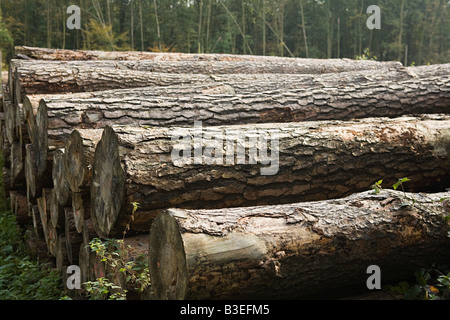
<point x="295" y="250"/>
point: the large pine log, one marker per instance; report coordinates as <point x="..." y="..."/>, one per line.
<point x="308" y="161"/>
<point x="27" y="52"/>
<point x="38" y="77"/>
<point x="305" y="250"/>
<point x="57" y="115"/>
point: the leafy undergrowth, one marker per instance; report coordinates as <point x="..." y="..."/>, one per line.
<point x="22" y="278"/>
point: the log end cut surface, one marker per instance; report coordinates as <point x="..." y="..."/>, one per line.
<point x="108" y="184"/>
<point x="167" y="262"/>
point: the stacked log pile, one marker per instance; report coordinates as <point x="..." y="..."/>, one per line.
<point x="87" y="135"/>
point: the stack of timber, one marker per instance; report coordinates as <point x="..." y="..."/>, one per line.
<point x="87" y="135"/>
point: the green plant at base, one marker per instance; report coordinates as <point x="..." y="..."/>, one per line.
<point x="22" y="278"/>
<point x="115" y="255"/>
<point x="102" y="289"/>
<point x="430" y="284"/>
<point x="377" y="187"/>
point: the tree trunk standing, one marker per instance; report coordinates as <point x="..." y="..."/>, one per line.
<point x="141" y="26"/>
<point x="49" y="31"/>
<point x="132" y="25"/>
<point x="309" y="161"/>
<point x="400" y="33"/>
<point x="158" y="32"/>
<point x="296" y="250"/>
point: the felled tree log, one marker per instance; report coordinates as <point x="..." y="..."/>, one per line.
<point x="181" y="105"/>
<point x="296" y="250"/>
<point x="39" y="77"/>
<point x="57" y="115"/>
<point x="26" y="52"/>
<point x="45" y="77"/>
<point x="154" y="168"/>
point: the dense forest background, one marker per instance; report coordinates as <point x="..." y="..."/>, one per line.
<point x="412" y="31"/>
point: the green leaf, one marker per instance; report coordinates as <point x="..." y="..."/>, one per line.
<point x="399" y="182"/>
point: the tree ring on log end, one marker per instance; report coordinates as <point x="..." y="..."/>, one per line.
<point x="60" y="185"/>
<point x="41" y="143"/>
<point x="30" y="170"/>
<point x="76" y="161"/>
<point x="108" y="183"/>
<point x="167" y="259"/>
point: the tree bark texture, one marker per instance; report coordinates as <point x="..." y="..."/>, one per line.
<point x="34" y="77"/>
<point x="56" y="116"/>
<point x="27" y="52"/>
<point x="295" y="250"/>
<point x="310" y="161"/>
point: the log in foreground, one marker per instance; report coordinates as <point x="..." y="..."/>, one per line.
<point x="315" y="249"/>
<point x="245" y="165"/>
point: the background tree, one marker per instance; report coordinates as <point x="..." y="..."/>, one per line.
<point x="413" y="31"/>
